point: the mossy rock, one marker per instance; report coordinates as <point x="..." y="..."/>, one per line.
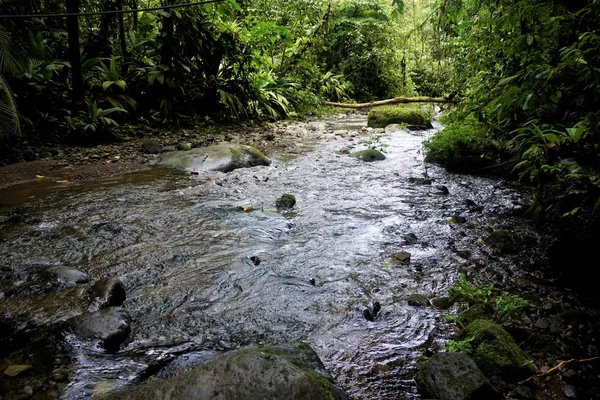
<point x="453" y="376"/>
<point x="418" y="300"/>
<point x="286" y="201"/>
<point x="289" y="371"/>
<point x="495" y="351"/>
<point x="473" y="313"/>
<point x="369" y="155"/>
<point x="381" y="117"/>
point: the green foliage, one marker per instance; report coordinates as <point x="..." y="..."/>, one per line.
<point x="361" y="48"/>
<point x="374" y="142"/>
<point x="95" y="121"/>
<point x="461" y="346"/>
<point x="502" y="303"/>
<point x="528" y="72"/>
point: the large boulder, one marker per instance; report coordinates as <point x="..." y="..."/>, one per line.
<point x="288" y="372"/>
<point x="453" y="376"/>
<point x="224" y="157"/>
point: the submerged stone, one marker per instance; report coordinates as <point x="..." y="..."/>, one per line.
<point x="224" y="157"/>
<point x="403" y="257"/>
<point x="284" y="372"/>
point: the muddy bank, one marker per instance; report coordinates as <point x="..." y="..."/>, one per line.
<point x="75" y="163"/>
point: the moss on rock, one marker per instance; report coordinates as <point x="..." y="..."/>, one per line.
<point x="495" y="351"/>
<point x="369" y="155"/>
<point x="383" y="116"/>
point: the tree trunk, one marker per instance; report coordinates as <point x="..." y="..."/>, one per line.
<point x="105" y="22"/>
<point x="74" y="53"/>
<point x="395" y="100"/>
<point x="134" y="6"/>
<point x="122" y="40"/>
<point x="168" y="28"/>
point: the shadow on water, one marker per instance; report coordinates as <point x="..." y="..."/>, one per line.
<point x="188" y="254"/>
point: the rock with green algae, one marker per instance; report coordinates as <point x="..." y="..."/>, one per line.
<point x="291" y="371"/>
<point x="286" y="201"/>
<point x="369" y="155"/>
<point x="453" y="376"/>
<point x="495" y="351"/>
<point x="381" y="117"/>
<point x="418" y="300"/>
<point x="224" y="157"/>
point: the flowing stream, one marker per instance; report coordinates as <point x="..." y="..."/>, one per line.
<point x="205" y="273"/>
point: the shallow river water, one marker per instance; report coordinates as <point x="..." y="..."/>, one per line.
<point x="204" y="273"/>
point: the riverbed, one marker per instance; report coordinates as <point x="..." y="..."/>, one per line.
<point x="210" y="264"/>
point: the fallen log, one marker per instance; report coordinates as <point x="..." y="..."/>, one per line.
<point x="396" y="100"/>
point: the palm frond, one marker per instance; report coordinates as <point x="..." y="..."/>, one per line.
<point x="9" y="115"/>
<point x="11" y="56"/>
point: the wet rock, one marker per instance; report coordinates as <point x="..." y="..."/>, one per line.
<point x="287" y="372"/>
<point x="502" y="240"/>
<point x="420" y="181"/>
<point x="418" y="300"/>
<point x="224" y="157"/>
<point x="255" y="260"/>
<point x="151" y="146"/>
<point x="168" y="148"/>
<point x="443" y="189"/>
<point x="376" y="308"/>
<point x="312" y="281"/>
<point x="106" y="292"/>
<point x="458" y="219"/>
<point x="495" y="351"/>
<point x="67" y="275"/>
<point x="402" y="257"/>
<point x="370" y="313"/>
<point x="110" y="325"/>
<point x="344" y="150"/>
<point x="14" y="370"/>
<point x="442" y="302"/>
<point x="369" y="155"/>
<point x="454" y="376"/>
<point x="410" y="238"/>
<point x="286" y="201"/>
